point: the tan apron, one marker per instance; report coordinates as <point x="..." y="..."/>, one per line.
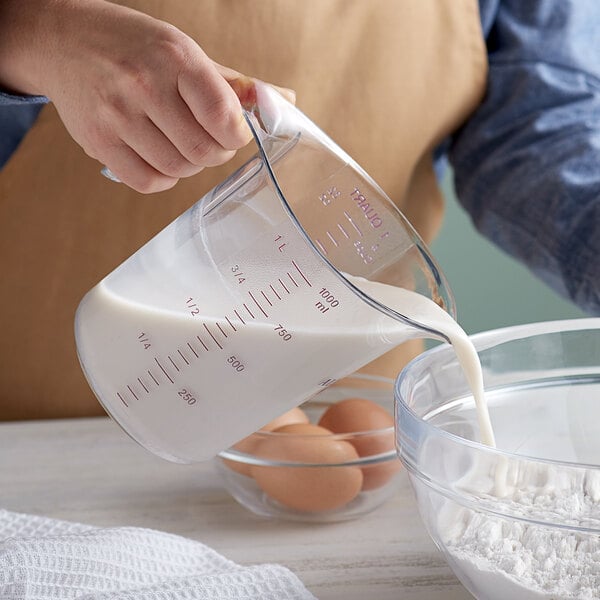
<point x="386" y="79"/>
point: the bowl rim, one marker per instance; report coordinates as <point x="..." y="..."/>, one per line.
<point x="485" y="340"/>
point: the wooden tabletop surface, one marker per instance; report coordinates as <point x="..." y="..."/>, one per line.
<point x="88" y="470"/>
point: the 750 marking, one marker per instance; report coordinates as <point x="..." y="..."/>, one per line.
<point x="283" y="333"/>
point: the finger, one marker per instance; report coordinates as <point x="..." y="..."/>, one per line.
<point x="214" y="105"/>
<point x="135" y="172"/>
<point x="149" y="142"/>
<point x="240" y="82"/>
<point x="187" y="135"/>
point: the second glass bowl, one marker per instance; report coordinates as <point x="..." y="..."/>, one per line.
<point x="317" y="478"/>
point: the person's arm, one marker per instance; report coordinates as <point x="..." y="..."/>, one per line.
<point x="135" y="92"/>
<point x="527" y="163"/>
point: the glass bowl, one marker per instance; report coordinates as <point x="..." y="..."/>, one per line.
<point x="263" y="472"/>
<point x="522" y="520"/>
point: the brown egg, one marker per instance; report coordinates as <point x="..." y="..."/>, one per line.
<point x="248" y="444"/>
<point x="308" y="489"/>
<point x="358" y="414"/>
<point x="296" y="415"/>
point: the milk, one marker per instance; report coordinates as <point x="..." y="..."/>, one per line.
<point x="188" y="390"/>
<point x="226" y="319"/>
<point x="426" y="312"/>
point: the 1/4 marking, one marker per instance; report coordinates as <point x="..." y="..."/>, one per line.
<point x="143" y="339"/>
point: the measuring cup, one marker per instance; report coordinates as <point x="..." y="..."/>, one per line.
<point x="247" y="304"/>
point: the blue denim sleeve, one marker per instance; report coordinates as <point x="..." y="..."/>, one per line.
<point x="17" y="115"/>
<point x="527" y="163"/>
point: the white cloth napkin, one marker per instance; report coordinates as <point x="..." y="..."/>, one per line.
<point x="48" y="559"/>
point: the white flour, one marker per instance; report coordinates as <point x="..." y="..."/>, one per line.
<point x="516" y="560"/>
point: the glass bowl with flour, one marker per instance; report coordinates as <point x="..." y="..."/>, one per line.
<point x="521" y="520"/>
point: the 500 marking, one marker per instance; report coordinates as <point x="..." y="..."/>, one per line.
<point x="236" y="364"/>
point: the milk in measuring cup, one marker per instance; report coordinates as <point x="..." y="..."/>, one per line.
<point x="190" y="355"/>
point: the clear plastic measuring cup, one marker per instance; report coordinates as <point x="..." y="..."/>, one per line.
<point x="245" y="305"/>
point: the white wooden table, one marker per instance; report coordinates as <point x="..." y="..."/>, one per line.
<point x="88" y="470"/>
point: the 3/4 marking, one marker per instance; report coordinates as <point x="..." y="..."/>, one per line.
<point x="142" y="384"/>
<point x="293" y="280"/>
<point x="237" y="314"/>
<point x="221" y="329"/>
<point x="123" y="401"/>
<point x="192" y="349"/>
<point x="231" y="324"/>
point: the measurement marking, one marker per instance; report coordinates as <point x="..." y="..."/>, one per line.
<point x="192" y="349"/>
<point x="230" y="323"/>
<point x="173" y="363"/>
<point x="200" y="340"/>
<point x="293" y="280"/>
<point x="221" y="329"/>
<point x="318" y="243"/>
<point x="275" y="292"/>
<point x="239" y="317"/>
<point x="133" y="393"/>
<point x="266" y="298"/>
<point x="142" y="384"/>
<point x="257" y="304"/>
<point x="123" y="401"/>
<point x="153" y="378"/>
<point x="163" y="370"/>
<point x="249" y="311"/>
<point x="284" y="287"/>
<point x="343" y="231"/>
<point x="302" y="274"/>
<point x="353" y="224"/>
<point x="184" y="358"/>
<point x="332" y="238"/>
<point x="212" y="336"/>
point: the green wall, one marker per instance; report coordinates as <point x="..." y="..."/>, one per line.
<point x="491" y="289"/>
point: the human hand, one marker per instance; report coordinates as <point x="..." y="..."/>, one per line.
<point x="136" y="93"/>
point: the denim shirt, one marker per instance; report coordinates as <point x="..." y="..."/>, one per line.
<point x="527" y="161"/>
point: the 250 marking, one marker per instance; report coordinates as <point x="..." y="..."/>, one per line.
<point x="187" y="396"/>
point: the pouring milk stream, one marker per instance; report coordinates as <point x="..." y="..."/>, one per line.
<point x="293" y="273"/>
